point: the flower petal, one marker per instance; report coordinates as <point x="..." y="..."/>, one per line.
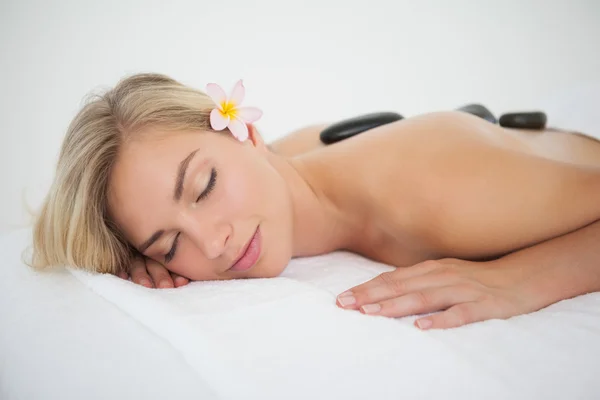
<point x="216" y="93"/>
<point x="238" y="129"/>
<point x="238" y="93"/>
<point x="249" y="114"/>
<point x="218" y="121"/>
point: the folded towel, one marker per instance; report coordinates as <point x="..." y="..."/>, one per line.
<point x="285" y="338"/>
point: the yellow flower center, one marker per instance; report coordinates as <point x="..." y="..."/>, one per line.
<point x="228" y="109"/>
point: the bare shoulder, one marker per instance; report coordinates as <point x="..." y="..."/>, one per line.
<point x="452" y="181"/>
<point x="427" y="132"/>
<point x="378" y="173"/>
<point x="397" y="151"/>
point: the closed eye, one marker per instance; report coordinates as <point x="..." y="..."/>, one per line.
<point x="169" y="256"/>
<point x="211" y="185"/>
<point x="209" y="188"/>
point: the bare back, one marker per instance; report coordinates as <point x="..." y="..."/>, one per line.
<point x="453" y="185"/>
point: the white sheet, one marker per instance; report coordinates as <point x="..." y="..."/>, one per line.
<point x="59" y="340"/>
<point x="101" y="337"/>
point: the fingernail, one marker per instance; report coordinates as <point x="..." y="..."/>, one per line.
<point x="346" y="300"/>
<point x="424" y="323"/>
<point x="179" y="281"/>
<point x="164" y="284"/>
<point x="371" y="308"/>
<point x="145" y="282"/>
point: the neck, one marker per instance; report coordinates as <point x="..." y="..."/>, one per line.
<point x="318" y="225"/>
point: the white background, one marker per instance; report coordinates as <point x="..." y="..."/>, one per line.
<point x="302" y="62"/>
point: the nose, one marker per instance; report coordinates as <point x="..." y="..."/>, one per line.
<point x="210" y="235"/>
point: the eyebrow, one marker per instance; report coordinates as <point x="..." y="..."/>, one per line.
<point x="181" y="175"/>
<point x="177" y="192"/>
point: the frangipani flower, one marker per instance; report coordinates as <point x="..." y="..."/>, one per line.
<point x="228" y="113"/>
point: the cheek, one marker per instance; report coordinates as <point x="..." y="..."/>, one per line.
<point x="244" y="191"/>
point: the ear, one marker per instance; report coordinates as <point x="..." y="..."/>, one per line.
<point x="256" y="139"/>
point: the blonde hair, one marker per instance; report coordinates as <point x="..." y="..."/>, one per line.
<point x="74" y="227"/>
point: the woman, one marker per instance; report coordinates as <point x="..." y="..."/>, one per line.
<point x="483" y="222"/>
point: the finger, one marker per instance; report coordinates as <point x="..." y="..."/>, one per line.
<point x="394" y="284"/>
<point x="139" y="274"/>
<point x="179" y="280"/>
<point x="123" y="275"/>
<point x="455" y="316"/>
<point x="398" y="274"/>
<point x="160" y="275"/>
<point x="421" y="302"/>
<point x="400" y="288"/>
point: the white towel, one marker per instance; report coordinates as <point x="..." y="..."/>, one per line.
<point x="285" y="338"/>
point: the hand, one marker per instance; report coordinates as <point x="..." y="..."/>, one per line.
<point x="467" y="291"/>
<point x="151" y="274"/>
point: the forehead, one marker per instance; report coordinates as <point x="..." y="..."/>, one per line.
<point x="153" y="161"/>
<point x="143" y="177"/>
<point x="154" y="141"/>
<point x="154" y="149"/>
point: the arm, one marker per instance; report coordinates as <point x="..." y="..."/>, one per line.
<point x="558" y="269"/>
<point x="522" y="282"/>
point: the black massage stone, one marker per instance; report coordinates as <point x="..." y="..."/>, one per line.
<point x="524" y="120"/>
<point x="353" y="126"/>
<point x="480" y="111"/>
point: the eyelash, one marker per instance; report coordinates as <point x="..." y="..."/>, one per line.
<point x="169" y="256"/>
<point x="209" y="188"/>
<point x="211" y="185"/>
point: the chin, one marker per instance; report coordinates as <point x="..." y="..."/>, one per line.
<point x="277" y="252"/>
<point x="272" y="267"/>
<point x="274" y="271"/>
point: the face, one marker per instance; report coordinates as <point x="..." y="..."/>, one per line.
<point x="203" y="204"/>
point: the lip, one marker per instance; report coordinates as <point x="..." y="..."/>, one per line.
<point x="250" y="253"/>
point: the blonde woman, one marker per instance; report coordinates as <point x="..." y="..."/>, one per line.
<point x="481" y="221"/>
